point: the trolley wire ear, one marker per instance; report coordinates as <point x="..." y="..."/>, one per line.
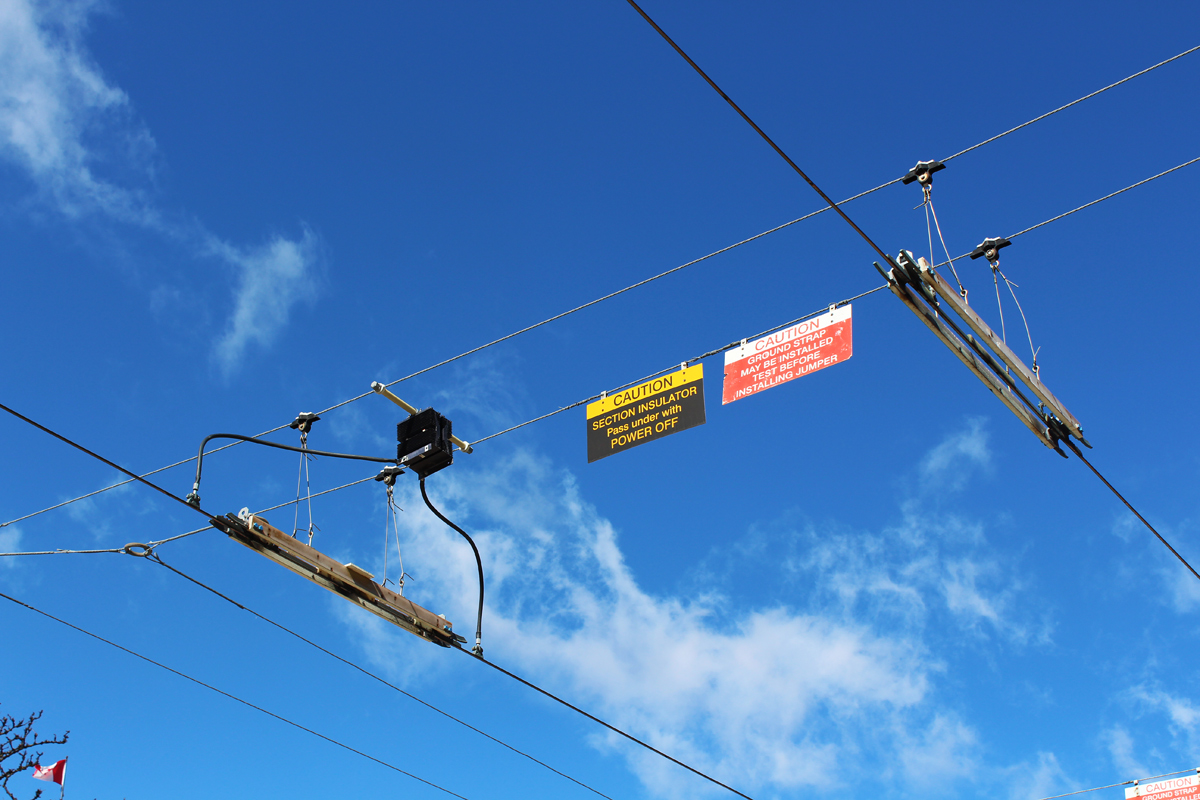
<point x="478" y="648"/>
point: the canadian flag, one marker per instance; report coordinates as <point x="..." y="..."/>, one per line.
<point x="56" y="772"/>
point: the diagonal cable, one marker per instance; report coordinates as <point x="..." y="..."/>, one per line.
<point x="210" y="687"/>
<point x="370" y="674"/>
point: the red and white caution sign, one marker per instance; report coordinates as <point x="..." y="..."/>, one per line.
<point x="1181" y="788"/>
<point x="787" y="354"/>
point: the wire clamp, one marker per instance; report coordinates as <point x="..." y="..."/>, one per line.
<point x="388" y="475"/>
<point x="922" y="173"/>
<point x="990" y="249"/>
<point x="303" y="422"/>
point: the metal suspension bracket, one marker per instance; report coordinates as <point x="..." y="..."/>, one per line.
<point x="922" y="173"/>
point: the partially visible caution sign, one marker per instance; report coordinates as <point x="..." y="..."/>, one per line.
<point x="787" y="354"/>
<point x="1181" y="788"/>
<point x="646" y="412"/>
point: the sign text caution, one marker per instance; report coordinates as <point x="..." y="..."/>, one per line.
<point x="651" y="410"/>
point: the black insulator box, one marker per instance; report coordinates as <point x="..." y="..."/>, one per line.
<point x="423" y="442"/>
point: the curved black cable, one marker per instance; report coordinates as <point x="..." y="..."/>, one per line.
<point x="194" y="496"/>
<point x="478" y="649"/>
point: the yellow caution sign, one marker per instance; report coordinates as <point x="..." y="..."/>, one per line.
<point x="651" y="410"/>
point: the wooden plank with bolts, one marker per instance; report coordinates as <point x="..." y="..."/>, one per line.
<point x="347" y="580"/>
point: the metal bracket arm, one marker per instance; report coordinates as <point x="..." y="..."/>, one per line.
<point x="380" y="389"/>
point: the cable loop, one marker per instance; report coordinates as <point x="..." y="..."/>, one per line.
<point x="138" y="550"/>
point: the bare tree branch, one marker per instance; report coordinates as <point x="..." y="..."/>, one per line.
<point x="18" y="740"/>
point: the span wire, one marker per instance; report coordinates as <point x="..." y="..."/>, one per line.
<point x="1086" y="205"/>
<point x="233" y="697"/>
<point x="620" y="291"/>
<point x="156" y="543"/>
<point x="693" y="360"/>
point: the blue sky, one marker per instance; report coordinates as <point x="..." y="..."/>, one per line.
<point x="868" y="582"/>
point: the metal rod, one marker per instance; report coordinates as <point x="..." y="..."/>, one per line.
<point x="379" y="388"/>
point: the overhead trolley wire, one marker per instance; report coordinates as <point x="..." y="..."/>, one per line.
<point x="198" y="509"/>
<point x="761" y="132"/>
<point x="209" y="686"/>
<point x="370" y="674"/>
<point x="1128" y="505"/>
<point x="611" y="295"/>
<point x="615" y="729"/>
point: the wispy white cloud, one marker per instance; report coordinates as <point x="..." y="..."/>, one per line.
<point x="944" y="750"/>
<point x="1121" y="750"/>
<point x="55" y="103"/>
<point x="272" y="280"/>
<point x="1041" y="779"/>
<point x="930" y="565"/>
<point x="10" y="542"/>
<point x="65" y="126"/>
<point x="949" y="464"/>
<point x="767" y="696"/>
<point x="1182" y="714"/>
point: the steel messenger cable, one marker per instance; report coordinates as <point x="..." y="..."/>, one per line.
<point x="544" y="416"/>
<point x="154" y="544"/>
<point x="196" y="508"/>
<point x="639" y="283"/>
